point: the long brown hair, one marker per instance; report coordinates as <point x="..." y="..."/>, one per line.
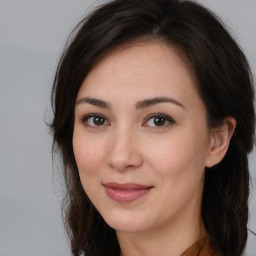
<point x="224" y="82"/>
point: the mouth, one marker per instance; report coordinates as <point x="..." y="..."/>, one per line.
<point x="126" y="193"/>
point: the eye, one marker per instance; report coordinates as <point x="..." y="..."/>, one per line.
<point x="95" y="120"/>
<point x="158" y="120"/>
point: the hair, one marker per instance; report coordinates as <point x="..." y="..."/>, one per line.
<point x="224" y="82"/>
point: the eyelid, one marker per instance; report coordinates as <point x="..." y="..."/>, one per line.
<point x="86" y="117"/>
<point x="169" y="119"/>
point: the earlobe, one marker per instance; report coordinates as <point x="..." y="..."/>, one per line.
<point x="219" y="141"/>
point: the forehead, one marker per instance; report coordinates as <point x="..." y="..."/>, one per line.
<point x="145" y="67"/>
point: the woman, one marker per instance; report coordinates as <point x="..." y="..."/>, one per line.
<point x="154" y="119"/>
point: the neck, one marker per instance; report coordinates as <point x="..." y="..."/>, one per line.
<point x="170" y="239"/>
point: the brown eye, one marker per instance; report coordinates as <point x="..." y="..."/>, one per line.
<point x="97" y="120"/>
<point x="159" y="121"/>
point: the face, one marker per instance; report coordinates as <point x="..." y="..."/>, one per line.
<point x="141" y="139"/>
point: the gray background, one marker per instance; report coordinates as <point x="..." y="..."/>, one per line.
<point x="32" y="34"/>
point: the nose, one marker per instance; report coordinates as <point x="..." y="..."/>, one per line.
<point x="123" y="152"/>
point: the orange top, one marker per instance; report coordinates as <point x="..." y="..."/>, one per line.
<point x="201" y="248"/>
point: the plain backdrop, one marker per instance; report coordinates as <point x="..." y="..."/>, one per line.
<point x="32" y="34"/>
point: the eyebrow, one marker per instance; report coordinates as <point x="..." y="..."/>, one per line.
<point x="95" y="102"/>
<point x="139" y="105"/>
<point x="150" y="102"/>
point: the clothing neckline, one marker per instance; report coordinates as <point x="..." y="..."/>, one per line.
<point x="202" y="247"/>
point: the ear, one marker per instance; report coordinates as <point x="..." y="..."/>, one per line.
<point x="219" y="141"/>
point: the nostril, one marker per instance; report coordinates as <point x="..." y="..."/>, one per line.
<point x="124" y="162"/>
<point x="123" y="152"/>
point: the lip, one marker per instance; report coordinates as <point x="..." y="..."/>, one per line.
<point x="127" y="192"/>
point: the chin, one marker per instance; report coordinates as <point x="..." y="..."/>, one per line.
<point x="126" y="223"/>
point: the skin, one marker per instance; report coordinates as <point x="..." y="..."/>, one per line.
<point x="126" y="146"/>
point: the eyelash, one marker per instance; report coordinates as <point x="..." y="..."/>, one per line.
<point x="93" y="115"/>
<point x="165" y="118"/>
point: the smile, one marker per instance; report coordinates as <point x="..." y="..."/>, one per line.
<point x="125" y="193"/>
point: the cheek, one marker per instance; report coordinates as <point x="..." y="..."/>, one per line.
<point x="87" y="154"/>
<point x="177" y="153"/>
